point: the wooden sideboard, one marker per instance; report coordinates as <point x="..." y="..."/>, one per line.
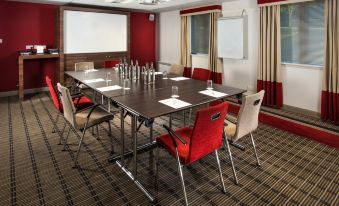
<point x="22" y="58"/>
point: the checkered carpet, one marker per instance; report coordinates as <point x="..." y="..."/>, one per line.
<point x="35" y="171"/>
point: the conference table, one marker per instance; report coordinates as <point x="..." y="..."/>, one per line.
<point x="146" y="103"/>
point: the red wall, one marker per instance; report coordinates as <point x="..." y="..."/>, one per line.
<point x="143" y="38"/>
<point x="268" y="1"/>
<point x="22" y="24"/>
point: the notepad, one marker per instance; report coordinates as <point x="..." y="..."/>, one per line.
<point x="174" y="103"/>
<point x="109" y="88"/>
<point x="88" y="81"/>
<point x="179" y="78"/>
<point x="213" y="93"/>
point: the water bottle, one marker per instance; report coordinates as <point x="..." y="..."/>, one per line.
<point x="146" y="77"/>
<point x="137" y="72"/>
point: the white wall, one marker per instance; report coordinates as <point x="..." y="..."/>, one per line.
<point x="169" y="38"/>
<point x="301" y="85"/>
<point x="242" y="73"/>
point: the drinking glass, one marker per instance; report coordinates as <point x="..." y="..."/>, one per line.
<point x="86" y="73"/>
<point x="175" y="93"/>
<point x="126" y="84"/>
<point x="108" y="77"/>
<point x="209" y="84"/>
<point x="164" y="75"/>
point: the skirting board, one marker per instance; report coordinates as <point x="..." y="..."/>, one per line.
<point x="26" y="91"/>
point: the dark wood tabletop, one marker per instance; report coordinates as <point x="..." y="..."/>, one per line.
<point x="143" y="100"/>
<point x="147" y="104"/>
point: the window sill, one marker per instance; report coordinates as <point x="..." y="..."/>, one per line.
<point x="309" y="66"/>
<point x="202" y="55"/>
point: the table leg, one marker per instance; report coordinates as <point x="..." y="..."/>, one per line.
<point x="21" y="79"/>
<point x="135" y="143"/>
<point x="122" y="128"/>
<point x="170" y="121"/>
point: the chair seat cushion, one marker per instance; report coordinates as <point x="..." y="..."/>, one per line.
<point x="98" y="116"/>
<point x="230" y="129"/>
<point x="166" y="142"/>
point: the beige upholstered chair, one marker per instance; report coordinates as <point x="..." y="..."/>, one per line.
<point x="247" y="122"/>
<point x="83" y="66"/>
<point x="177" y="69"/>
<point x="83" y="119"/>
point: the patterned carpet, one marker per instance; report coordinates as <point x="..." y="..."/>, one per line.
<point x="35" y="171"/>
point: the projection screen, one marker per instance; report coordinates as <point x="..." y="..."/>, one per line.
<point x="89" y="32"/>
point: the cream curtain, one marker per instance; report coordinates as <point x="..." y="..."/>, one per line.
<point x="330" y="94"/>
<point x="215" y="63"/>
<point x="269" y="66"/>
<point x="185" y="42"/>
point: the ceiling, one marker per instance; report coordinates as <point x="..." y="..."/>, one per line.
<point x="165" y="6"/>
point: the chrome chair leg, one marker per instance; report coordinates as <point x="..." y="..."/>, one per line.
<point x="181" y="177"/>
<point x="79" y="147"/>
<point x="220" y="172"/>
<point x="255" y="150"/>
<point x="111" y="136"/>
<point x="231" y="159"/>
<point x="62" y="133"/>
<point x="157" y="151"/>
<point x="56" y="122"/>
<point x="65" y="141"/>
<point x="97" y="129"/>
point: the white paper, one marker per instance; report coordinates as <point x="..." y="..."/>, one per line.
<point x="157" y="73"/>
<point x="174" y="103"/>
<point x="179" y="78"/>
<point x="88" y="81"/>
<point x="213" y="93"/>
<point x="92" y="70"/>
<point x="109" y="88"/>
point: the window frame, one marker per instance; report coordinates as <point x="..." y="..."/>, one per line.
<point x="190" y="32"/>
<point x="303" y="27"/>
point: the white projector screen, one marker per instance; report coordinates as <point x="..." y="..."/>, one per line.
<point x="89" y="32"/>
<point x="232" y="38"/>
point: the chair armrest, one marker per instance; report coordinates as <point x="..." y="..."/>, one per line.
<point x="173" y="134"/>
<point x="77" y="95"/>
<point x="90" y="112"/>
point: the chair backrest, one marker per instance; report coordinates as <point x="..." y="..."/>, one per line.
<point x="68" y="106"/>
<point x="207" y="131"/>
<point x="111" y="63"/>
<point x="79" y="66"/>
<point x="248" y="114"/>
<point x="187" y="72"/>
<point x="201" y="74"/>
<point x="54" y="94"/>
<point x="177" y="69"/>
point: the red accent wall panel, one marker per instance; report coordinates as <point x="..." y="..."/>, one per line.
<point x="22" y="24"/>
<point x="268" y="1"/>
<point x="143" y="38"/>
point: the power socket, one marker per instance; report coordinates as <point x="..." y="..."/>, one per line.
<point x="29" y="47"/>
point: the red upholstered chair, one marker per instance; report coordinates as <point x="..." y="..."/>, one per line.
<point x="187" y="72"/>
<point x="201" y="74"/>
<point x="79" y="100"/>
<point x="188" y="144"/>
<point x="111" y="63"/>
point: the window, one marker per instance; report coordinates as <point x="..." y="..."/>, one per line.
<point x="302" y="33"/>
<point x="200" y="31"/>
